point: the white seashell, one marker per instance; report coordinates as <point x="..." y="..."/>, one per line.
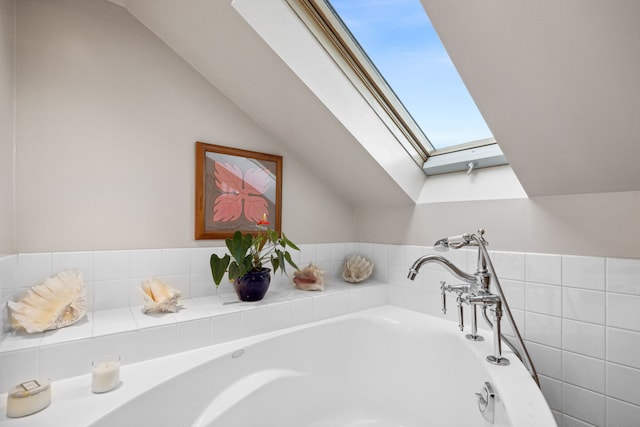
<point x="57" y="302"/>
<point x="159" y="297"/>
<point x="309" y="278"/>
<point x="357" y="269"/>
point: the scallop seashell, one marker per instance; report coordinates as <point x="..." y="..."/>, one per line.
<point x="309" y="278"/>
<point x="357" y="269"/>
<point x="159" y="297"/>
<point x="57" y="302"/>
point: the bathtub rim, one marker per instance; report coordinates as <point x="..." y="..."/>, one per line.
<point x="73" y="393"/>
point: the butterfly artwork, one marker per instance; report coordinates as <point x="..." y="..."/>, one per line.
<point x="235" y="189"/>
<point x="241" y="193"/>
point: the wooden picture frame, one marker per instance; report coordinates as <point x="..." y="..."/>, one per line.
<point x="234" y="189"/>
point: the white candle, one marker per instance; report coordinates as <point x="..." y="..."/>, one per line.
<point x="28" y="398"/>
<point x="105" y="374"/>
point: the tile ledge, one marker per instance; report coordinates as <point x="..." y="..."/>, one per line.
<point x="115" y="321"/>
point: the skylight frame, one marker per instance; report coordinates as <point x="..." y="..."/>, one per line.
<point x="327" y="26"/>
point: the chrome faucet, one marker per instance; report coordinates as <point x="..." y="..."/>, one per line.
<point x="415" y="268"/>
<point x="475" y="291"/>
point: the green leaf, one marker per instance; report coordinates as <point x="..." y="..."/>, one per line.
<point x="229" y="242"/>
<point x="238" y="246"/>
<point x="280" y="258"/>
<point x="218" y="267"/>
<point x="273" y="235"/>
<point x="247" y="265"/>
<point x="234" y="271"/>
<point x="239" y="249"/>
<point x="247" y="241"/>
<point x="275" y="263"/>
<point x="290" y="243"/>
<point x="287" y="256"/>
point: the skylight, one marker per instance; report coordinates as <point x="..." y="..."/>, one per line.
<point x="401" y="43"/>
<point x="394" y="58"/>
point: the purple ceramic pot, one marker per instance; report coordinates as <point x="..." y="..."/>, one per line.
<point x="253" y="285"/>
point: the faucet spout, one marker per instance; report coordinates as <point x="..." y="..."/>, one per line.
<point x="415" y="268"/>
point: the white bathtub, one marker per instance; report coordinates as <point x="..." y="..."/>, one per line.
<point x="381" y="367"/>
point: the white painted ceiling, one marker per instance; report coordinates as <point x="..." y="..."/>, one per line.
<point x="558" y="83"/>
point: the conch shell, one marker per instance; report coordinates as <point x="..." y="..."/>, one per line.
<point x="357" y="269"/>
<point x="57" y="302"/>
<point x="159" y="297"/>
<point x="309" y="278"/>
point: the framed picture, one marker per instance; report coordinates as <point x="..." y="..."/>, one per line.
<point x="234" y="190"/>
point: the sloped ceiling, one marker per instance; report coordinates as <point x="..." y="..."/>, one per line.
<point x="212" y="37"/>
<point x="557" y="82"/>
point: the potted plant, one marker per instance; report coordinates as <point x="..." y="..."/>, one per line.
<point x="247" y="254"/>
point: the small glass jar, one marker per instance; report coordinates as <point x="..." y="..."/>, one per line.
<point x="105" y="374"/>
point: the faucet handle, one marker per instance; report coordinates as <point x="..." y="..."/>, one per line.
<point x="459" y="300"/>
<point x="443" y="293"/>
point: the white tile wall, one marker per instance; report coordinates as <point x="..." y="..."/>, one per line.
<point x="623" y="347"/>
<point x="583" y="371"/>
<point x="583" y="405"/>
<point x="583" y="305"/>
<point x="542" y="329"/>
<point x="622" y="311"/>
<point x="622" y="383"/>
<point x="510" y="265"/>
<point x="621" y="414"/>
<point x="542" y="268"/>
<point x="226" y="327"/>
<point x="552" y="390"/>
<point x="548" y="360"/>
<point x="32" y="268"/>
<point x="514" y="292"/>
<point x="111" y="265"/>
<point x="623" y="275"/>
<point x="543" y="299"/>
<point x="567" y="421"/>
<point x="583" y="272"/>
<point x="81" y="261"/>
<point x="193" y="334"/>
<point x="579" y="314"/>
<point x="583" y="338"/>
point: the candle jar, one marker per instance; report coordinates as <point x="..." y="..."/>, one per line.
<point x="28" y="398"/>
<point x="105" y="374"/>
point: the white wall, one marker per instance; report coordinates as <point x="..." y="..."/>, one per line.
<point x="7" y="102"/>
<point x="118" y="112"/>
<point x="604" y="224"/>
<point x="107" y="118"/>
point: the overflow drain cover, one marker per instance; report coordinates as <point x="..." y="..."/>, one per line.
<point x="237" y="353"/>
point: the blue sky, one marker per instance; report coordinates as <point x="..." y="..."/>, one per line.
<point x="398" y="37"/>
